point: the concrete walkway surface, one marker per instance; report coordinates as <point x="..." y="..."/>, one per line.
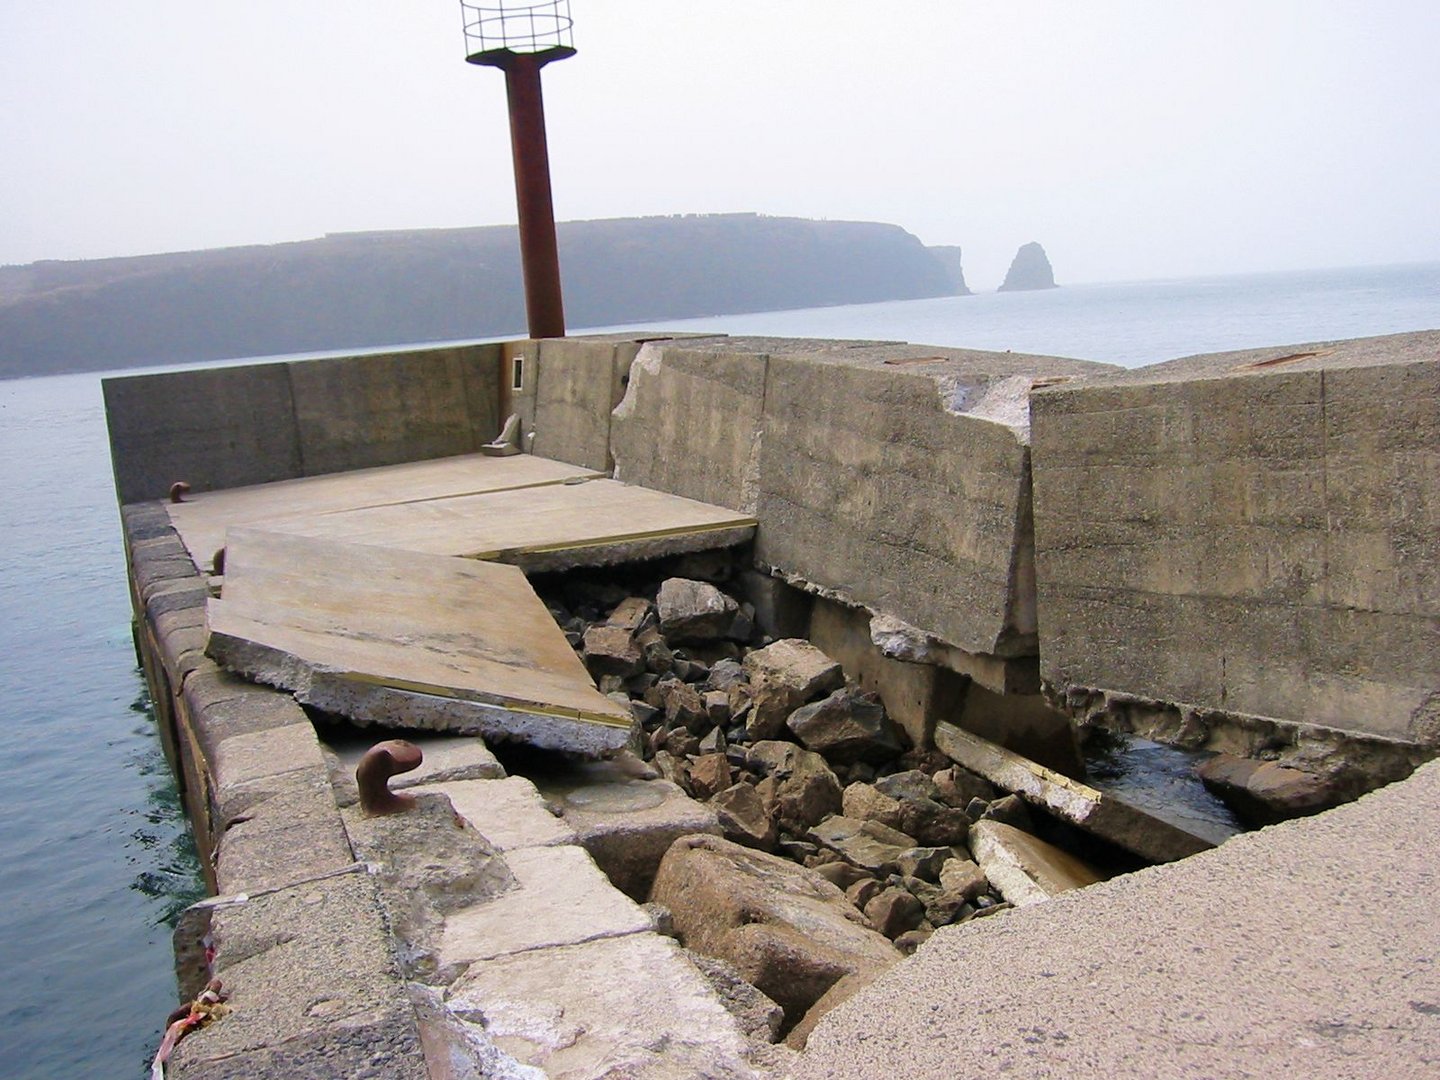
<point x="1307" y="949"/>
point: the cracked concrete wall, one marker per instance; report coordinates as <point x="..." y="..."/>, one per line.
<point x="888" y="475"/>
<point x="255" y="423"/>
<point x="1252" y="533"/>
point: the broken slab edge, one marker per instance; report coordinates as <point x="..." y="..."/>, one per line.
<point x="1096" y="812"/>
<point x="1356" y="762"/>
<point x="372" y="704"/>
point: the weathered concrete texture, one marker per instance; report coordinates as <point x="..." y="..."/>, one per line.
<point x="510" y="813"/>
<point x="1254" y="533"/>
<point x="631" y="1006"/>
<point x="578" y="382"/>
<point x="690" y="422"/>
<point x="1104" y="815"/>
<point x="229" y="427"/>
<point x="561" y="899"/>
<point x="626" y="825"/>
<point x="916" y="503"/>
<point x="1305" y="949"/>
<point x="313" y="990"/>
<point x="291" y="833"/>
<point x="916" y="696"/>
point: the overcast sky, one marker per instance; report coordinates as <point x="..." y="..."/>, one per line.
<point x="1133" y="139"/>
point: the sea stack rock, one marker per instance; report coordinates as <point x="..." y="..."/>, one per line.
<point x="1030" y="270"/>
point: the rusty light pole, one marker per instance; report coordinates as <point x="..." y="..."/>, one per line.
<point x="520" y="39"/>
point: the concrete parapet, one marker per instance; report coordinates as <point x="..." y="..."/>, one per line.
<point x="1251" y="534"/>
<point x="251" y="424"/>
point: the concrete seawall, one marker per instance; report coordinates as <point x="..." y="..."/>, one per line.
<point x="1234" y="552"/>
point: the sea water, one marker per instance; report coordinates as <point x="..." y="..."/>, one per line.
<point x="95" y="853"/>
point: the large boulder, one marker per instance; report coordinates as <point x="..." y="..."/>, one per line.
<point x="788" y="931"/>
<point x="783" y="676"/>
<point x="1264" y="792"/>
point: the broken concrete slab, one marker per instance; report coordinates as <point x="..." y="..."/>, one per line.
<point x="627" y="825"/>
<point x="562" y="899"/>
<point x="631" y="1006"/>
<point x="787" y="930"/>
<point x="204" y="518"/>
<point x="406" y="640"/>
<point x="1024" y="868"/>
<point x="313" y="989"/>
<point x="554" y="527"/>
<point x="1104" y="815"/>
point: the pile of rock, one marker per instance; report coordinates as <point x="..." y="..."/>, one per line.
<point x="795" y="761"/>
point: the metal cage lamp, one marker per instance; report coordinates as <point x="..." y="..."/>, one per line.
<point x="520" y="39"/>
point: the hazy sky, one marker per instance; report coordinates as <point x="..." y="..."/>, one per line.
<point x="1147" y="138"/>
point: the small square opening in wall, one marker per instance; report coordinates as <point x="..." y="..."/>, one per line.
<point x="517" y="373"/>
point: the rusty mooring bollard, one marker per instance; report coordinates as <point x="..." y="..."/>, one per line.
<point x="178" y="490"/>
<point x="380" y="763"/>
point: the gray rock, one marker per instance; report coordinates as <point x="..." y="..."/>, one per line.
<point x="842" y="874"/>
<point x="1011" y="811"/>
<point x="709" y="775"/>
<point x="866" y="844"/>
<point x="845" y="727"/>
<point x="911" y="784"/>
<point x="757" y="1015"/>
<point x="1029" y="270"/>
<point x="963" y="877"/>
<point x="864" y="890"/>
<point x="893" y="911"/>
<point x="924" y="862"/>
<point x="1266" y="792"/>
<point x="783" y="676"/>
<point x="744" y="818"/>
<point x="956" y="787"/>
<point x="694" y="611"/>
<point x="800" y="790"/>
<point x="725" y="675"/>
<point x="865" y="802"/>
<point x="685" y="708"/>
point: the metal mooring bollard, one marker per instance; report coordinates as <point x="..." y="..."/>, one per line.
<point x="380" y="763"/>
<point x="178" y="490"/>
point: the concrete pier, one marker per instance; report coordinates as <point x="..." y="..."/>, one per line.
<point x="1229" y="552"/>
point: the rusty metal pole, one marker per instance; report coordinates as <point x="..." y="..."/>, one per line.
<point x="539" y="254"/>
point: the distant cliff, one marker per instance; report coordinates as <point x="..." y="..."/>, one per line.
<point x="1030" y="270"/>
<point x="949" y="257"/>
<point x="357" y="290"/>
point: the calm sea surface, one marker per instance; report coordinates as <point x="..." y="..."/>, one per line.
<point x="94" y="847"/>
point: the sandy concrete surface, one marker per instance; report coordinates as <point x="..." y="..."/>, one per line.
<point x="1308" y="949"/>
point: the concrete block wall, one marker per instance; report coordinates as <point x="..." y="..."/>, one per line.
<point x="255" y="423"/>
<point x="890" y="476"/>
<point x="1248" y="535"/>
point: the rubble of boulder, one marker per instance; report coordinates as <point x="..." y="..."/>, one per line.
<point x="800" y="768"/>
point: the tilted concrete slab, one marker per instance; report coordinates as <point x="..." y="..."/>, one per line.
<point x="1252" y="537"/>
<point x="203" y="518"/>
<point x="1305" y="949"/>
<point x="591" y="523"/>
<point x="407" y="640"/>
<point x="1024" y="868"/>
<point x="1104" y="815"/>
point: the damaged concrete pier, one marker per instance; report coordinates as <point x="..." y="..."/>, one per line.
<point x="1235" y="554"/>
